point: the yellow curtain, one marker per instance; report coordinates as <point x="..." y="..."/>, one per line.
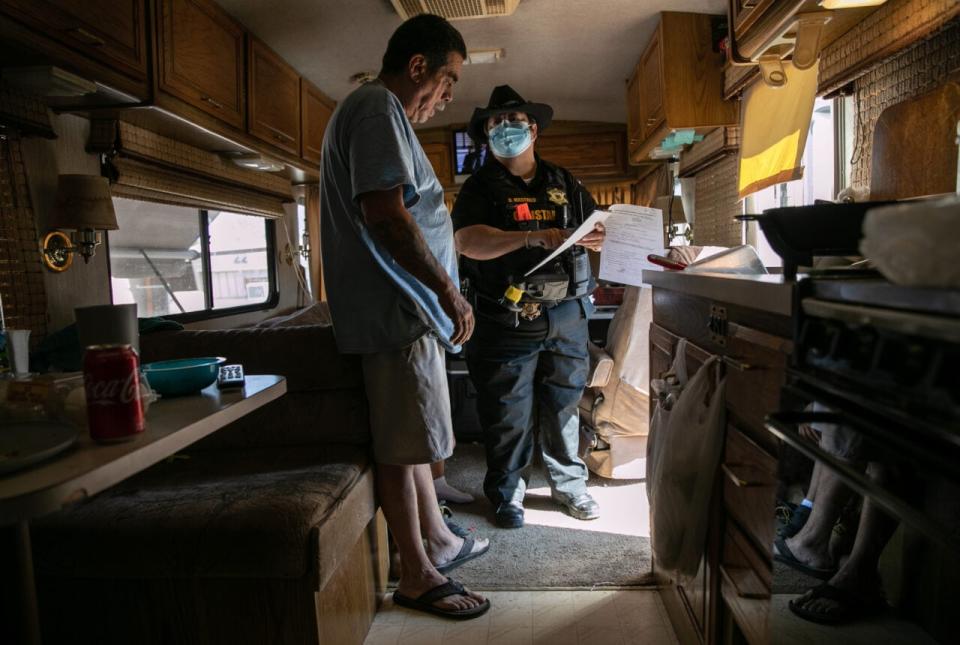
<point x="775" y="123"/>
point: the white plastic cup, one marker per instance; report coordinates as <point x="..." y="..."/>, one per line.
<point x="18" y="348"/>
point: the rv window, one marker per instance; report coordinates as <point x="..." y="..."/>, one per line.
<point x="819" y="179"/>
<point x="190" y="264"/>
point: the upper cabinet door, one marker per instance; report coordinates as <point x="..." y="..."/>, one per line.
<point x="315" y="112"/>
<point x="651" y="97"/>
<point x="634" y="131"/>
<point x="274" y="110"/>
<point x="112" y="32"/>
<point x="201" y="58"/>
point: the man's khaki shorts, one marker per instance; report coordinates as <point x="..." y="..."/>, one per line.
<point x="409" y="404"/>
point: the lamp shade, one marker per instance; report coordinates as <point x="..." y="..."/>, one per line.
<point x="83" y="201"/>
<point x="673" y="212"/>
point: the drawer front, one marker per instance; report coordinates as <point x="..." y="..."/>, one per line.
<point x="755" y="374"/>
<point x="745" y="592"/>
<point x="749" y="489"/>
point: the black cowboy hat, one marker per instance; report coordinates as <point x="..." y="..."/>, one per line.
<point x="505" y="99"/>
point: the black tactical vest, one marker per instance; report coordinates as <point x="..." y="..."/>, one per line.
<point x="551" y="200"/>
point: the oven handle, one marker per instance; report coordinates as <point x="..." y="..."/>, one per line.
<point x="783" y="424"/>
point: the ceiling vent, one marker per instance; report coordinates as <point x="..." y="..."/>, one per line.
<point x="455" y="9"/>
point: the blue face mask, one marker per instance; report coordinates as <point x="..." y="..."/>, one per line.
<point x="510" y="139"/>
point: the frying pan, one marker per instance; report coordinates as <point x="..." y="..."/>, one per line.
<point x="798" y="233"/>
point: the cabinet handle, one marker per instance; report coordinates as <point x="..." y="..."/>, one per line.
<point x="216" y="104"/>
<point x="279" y="135"/>
<point x="740" y="366"/>
<point x="737" y="480"/>
<point x="651" y="121"/>
<point x="92" y="39"/>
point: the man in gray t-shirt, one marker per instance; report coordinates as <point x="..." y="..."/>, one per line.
<point x="390" y="271"/>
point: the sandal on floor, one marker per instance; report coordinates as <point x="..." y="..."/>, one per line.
<point x="450" y="588"/>
<point x="465" y="555"/>
<point x="783" y="554"/>
<point x="849" y="605"/>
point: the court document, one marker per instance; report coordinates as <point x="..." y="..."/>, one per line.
<point x="595" y="218"/>
<point x="633" y="233"/>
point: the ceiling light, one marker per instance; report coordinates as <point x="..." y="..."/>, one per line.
<point x="255" y="161"/>
<point x="483" y="56"/>
<point x="849" y="4"/>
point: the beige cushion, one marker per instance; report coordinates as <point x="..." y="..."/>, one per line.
<point x="601" y="366"/>
<point x="316" y="314"/>
<point x="620" y="406"/>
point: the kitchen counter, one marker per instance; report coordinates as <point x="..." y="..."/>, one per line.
<point x="769" y="293"/>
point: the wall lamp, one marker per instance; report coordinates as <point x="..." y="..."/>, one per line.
<point x="84" y="206"/>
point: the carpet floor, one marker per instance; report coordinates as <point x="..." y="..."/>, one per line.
<point x="553" y="550"/>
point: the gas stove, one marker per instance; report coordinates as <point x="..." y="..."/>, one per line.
<point x="894" y="351"/>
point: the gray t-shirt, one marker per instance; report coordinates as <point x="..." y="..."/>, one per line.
<point x="374" y="303"/>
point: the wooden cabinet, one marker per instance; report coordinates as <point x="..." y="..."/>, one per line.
<point x="634" y="133"/>
<point x="315" y="112"/>
<point x="733" y="584"/>
<point x="201" y="58"/>
<point x="273" y="111"/>
<point x="677" y="85"/>
<point x="587" y="155"/>
<point x="441" y="160"/>
<point x="651" y="87"/>
<point x="756" y="21"/>
<point x="108" y="31"/>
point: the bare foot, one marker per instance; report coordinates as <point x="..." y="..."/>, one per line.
<point x="811" y="557"/>
<point x="415" y="588"/>
<point x="440" y="554"/>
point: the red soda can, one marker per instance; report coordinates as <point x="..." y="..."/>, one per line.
<point x="111" y="380"/>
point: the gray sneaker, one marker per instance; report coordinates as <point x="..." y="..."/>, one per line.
<point x="582" y="507"/>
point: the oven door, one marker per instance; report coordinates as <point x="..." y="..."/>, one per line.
<point x="884" y="529"/>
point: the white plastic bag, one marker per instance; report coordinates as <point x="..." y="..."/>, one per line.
<point x="686" y="456"/>
<point x="664" y="392"/>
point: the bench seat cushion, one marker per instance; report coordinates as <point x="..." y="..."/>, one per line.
<point x="274" y="513"/>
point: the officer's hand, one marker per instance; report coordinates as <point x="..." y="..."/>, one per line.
<point x="594" y="239"/>
<point x="548" y="238"/>
<point x="460" y="312"/>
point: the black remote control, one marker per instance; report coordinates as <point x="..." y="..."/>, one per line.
<point x="230" y="376"/>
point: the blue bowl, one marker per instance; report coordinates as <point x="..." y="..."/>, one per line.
<point x="182" y="376"/>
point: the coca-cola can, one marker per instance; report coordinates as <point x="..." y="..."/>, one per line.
<point x="111" y="379"/>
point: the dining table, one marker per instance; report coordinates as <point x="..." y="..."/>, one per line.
<point x="86" y="468"/>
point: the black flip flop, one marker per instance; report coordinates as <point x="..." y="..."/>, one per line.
<point x="449" y="588"/>
<point x="465" y="555"/>
<point x="850" y="605"/>
<point x="784" y="555"/>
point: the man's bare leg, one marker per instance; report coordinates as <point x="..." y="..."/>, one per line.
<point x="442" y="545"/>
<point x="397" y="488"/>
<point x="811" y="544"/>
<point x="443" y="489"/>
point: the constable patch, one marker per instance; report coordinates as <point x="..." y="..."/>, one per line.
<point x="557" y="196"/>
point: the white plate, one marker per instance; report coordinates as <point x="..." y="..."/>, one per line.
<point x="24" y="443"/>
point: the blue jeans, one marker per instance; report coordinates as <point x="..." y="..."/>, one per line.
<point x="527" y="382"/>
